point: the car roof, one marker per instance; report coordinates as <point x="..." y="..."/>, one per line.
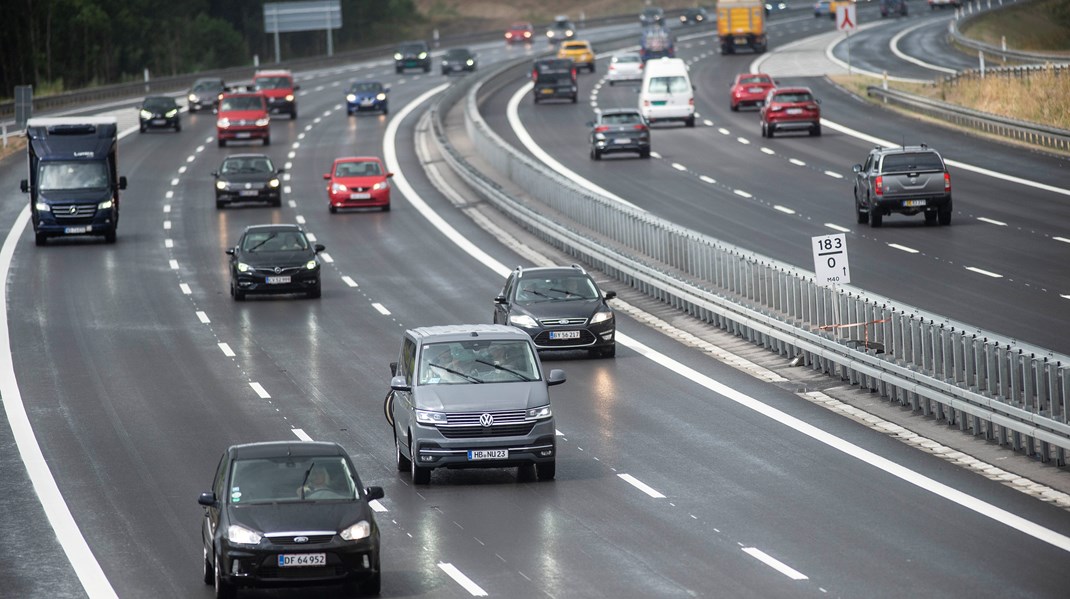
<point x="466" y="332"/>
<point x="550" y="271"/>
<point x="906" y="149"/>
<point x="275" y="449"/>
<point x="246" y="155"/>
<point x="272" y="227"/>
<point x="273" y="73"/>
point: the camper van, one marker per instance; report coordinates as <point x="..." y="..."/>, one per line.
<point x="666" y="93"/>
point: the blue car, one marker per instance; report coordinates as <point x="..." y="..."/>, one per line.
<point x="366" y="95"/>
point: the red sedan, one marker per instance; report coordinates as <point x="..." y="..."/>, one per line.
<point x="358" y="182"/>
<point x="791" y="109"/>
<point x="520" y="33"/>
<point x="750" y="89"/>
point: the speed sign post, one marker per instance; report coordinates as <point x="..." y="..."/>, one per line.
<point x="831" y="266"/>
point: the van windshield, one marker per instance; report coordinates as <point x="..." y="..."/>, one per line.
<point x="56" y="176"/>
<point x="676" y="84"/>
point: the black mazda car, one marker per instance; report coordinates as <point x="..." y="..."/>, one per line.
<point x="561" y="307"/>
<point x="158" y="112"/>
<point x="274" y="259"/>
<point x="247" y="177"/>
<point x="289" y="513"/>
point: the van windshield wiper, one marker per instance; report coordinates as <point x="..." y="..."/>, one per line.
<point x="509" y="370"/>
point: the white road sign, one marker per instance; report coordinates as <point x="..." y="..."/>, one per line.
<point x="845" y="17"/>
<point x="830" y="259"/>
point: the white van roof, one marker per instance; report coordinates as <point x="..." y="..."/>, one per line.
<point x="665" y="65"/>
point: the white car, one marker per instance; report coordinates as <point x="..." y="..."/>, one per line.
<point x="625" y="67"/>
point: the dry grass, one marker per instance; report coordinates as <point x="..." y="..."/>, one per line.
<point x="458" y="16"/>
<point x="1041" y="26"/>
<point x="15" y="145"/>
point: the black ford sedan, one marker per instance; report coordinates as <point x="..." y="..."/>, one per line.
<point x="274" y="259"/>
<point x="247" y="177"/>
<point x="289" y="513"/>
<point x="158" y="112"/>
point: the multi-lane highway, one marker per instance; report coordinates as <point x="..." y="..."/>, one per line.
<point x="678" y="476"/>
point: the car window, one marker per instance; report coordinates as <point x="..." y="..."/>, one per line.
<point x="291" y="479"/>
<point x="668" y="85"/>
<point x="366" y="87"/>
<point x="407" y="363"/>
<point x="477" y="361"/>
<point x="274" y="241"/>
<point x="220" y="477"/>
<point x="622" y="118"/>
<point x="793" y="97"/>
<point x="626" y="58"/>
<point x="921" y="161"/>
<point x="159" y="103"/>
<point x="754" y="80"/>
<point x="540" y="289"/>
<point x="358" y="169"/>
<point x="242" y="103"/>
<point x="273" y="82"/>
<point x="56" y="176"/>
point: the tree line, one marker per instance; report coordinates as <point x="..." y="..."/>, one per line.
<point x="58" y="45"/>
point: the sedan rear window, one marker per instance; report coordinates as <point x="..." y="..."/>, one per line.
<point x="793" y="97"/>
<point x="622" y="118"/>
<point x="922" y="161"/>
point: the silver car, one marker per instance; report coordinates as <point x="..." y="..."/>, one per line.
<point x="626" y="66"/>
<point x="471" y="396"/>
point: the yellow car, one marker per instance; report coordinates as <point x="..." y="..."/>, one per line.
<point x="580" y="52"/>
<point x="834" y="4"/>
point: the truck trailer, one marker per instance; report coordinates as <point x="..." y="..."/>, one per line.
<point x="741" y="25"/>
<point x="73" y="177"/>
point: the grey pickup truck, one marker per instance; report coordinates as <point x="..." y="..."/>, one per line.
<point x="905" y="180"/>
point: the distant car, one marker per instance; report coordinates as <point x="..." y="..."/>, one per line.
<point x="554" y="78"/>
<point x="618" y="130"/>
<point x="458" y="60"/>
<point x="580" y="52"/>
<point x="520" y="33"/>
<point x="750" y="89"/>
<point x="834" y="4"/>
<point x="790" y="109"/>
<point x="561" y="30"/>
<point x="412" y="55"/>
<point x="367" y="96"/>
<point x="205" y="93"/>
<point x="694" y="16"/>
<point x="903" y="180"/>
<point x="243" y="116"/>
<point x="561" y="307"/>
<point x="289" y="513"/>
<point x="626" y="66"/>
<point x="942" y="4"/>
<point x="652" y="15"/>
<point x="893" y="7"/>
<point x="772" y="6"/>
<point x="279" y="90"/>
<point x="823" y="8"/>
<point x="247" y="177"/>
<point x="159" y="112"/>
<point x="358" y="182"/>
<point x="274" y="259"/>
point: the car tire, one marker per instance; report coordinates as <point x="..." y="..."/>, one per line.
<point x="332" y="209"/>
<point x="237" y="294"/>
<point x="267" y="141"/>
<point x="222" y="142"/>
<point x="398" y="70"/>
<point x="546" y="470"/>
<point x="536" y="98"/>
<point x="690" y="122"/>
<point x="316" y="291"/>
<point x="734" y="107"/>
<point x="219" y="204"/>
<point x="444" y="72"/>
<point x="141" y="129"/>
<point x="386" y="208"/>
<point x="861" y="215"/>
<point x="876" y="218"/>
<point x="293" y="114"/>
<point x="590" y="67"/>
<point x="595" y="154"/>
<point x="945" y="217"/>
<point x="110" y="237"/>
<point x="574" y="99"/>
<point x="385" y="111"/>
<point x="403" y="463"/>
<point x="208" y="571"/>
<point x="644" y="153"/>
<point x="223" y="589"/>
<point x="371" y="587"/>
<point x="420" y="476"/>
<point x="815" y="131"/>
<point x="40" y="239"/>
<point x="427" y="69"/>
<point x="178" y="127"/>
<point x="930" y="218"/>
<point x="769" y="131"/>
<point x="611" y="83"/>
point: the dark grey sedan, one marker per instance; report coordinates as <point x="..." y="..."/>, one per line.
<point x="247" y="177"/>
<point x="458" y="60"/>
<point x="274" y="259"/>
<point x="619" y="130"/>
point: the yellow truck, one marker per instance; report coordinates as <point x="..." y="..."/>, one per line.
<point x="741" y="24"/>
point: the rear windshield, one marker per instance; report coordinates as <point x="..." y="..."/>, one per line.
<point x="575" y="46"/>
<point x="622" y="118"/>
<point x="626" y="58"/>
<point x="754" y="79"/>
<point x="794" y="97"/>
<point x="675" y="84"/>
<point x="920" y="161"/>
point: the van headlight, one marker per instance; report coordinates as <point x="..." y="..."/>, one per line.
<point x="380" y="97"/>
<point x="540" y="413"/>
<point x="425" y="417"/>
<point x="360" y="530"/>
<point x="523" y="321"/>
<point x="242" y="536"/>
<point x="43" y="207"/>
<point x="263" y="122"/>
<point x="601" y="317"/>
<point x="223" y="123"/>
<point x="105" y="205"/>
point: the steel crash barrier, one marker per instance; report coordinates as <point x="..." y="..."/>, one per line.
<point x="1003" y="390"/>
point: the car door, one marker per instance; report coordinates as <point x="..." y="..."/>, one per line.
<point x="402" y="406"/>
<point x="501" y="308"/>
<point x="862" y="180"/>
<point x="212" y="513"/>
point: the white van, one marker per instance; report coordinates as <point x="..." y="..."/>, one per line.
<point x="667" y="93"/>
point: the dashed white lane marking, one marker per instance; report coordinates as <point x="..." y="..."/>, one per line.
<point x="167" y="225"/>
<point x="381" y="309"/>
<point x="166" y="208"/>
<point x="226" y="350"/>
<point x="678" y="166"/>
<point x="656" y="155"/>
<point x="783" y="209"/>
<point x="190" y="158"/>
<point x="743" y="140"/>
<point x="836" y="227"/>
<point x="296" y="145"/>
<point x="638" y="484"/>
<point x="741" y="193"/>
<point x="169" y="243"/>
<point x="991" y="221"/>
<point x="300" y="219"/>
<point x="834" y="174"/>
<point x="182" y="170"/>
<point x="708" y="123"/>
<point x="185" y="289"/>
<point x="774" y="563"/>
<point x="349" y="281"/>
<point x="174" y="182"/>
<point x="769" y="151"/>
<point x="724" y="131"/>
<point x="291" y="203"/>
<point x="286" y="189"/>
<point x="203" y="317"/>
<point x="169" y="195"/>
<point x="462" y="580"/>
<point x="291" y="155"/>
<point x="709" y="180"/>
<point x="301" y="434"/>
<point x="796" y="162"/>
<point x="986" y="273"/>
<point x="1062" y="239"/>
<point x="173" y="264"/>
<point x="378" y="507"/>
<point x="260" y="390"/>
<point x="326" y="257"/>
<point x="903" y="248"/>
<point x="311" y="237"/>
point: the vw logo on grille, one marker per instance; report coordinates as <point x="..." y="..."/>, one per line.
<point x="278" y="269"/>
<point x="248" y="186"/>
<point x="300" y="539"/>
<point x="486" y="419"/>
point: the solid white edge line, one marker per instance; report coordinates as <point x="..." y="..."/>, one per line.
<point x="1062" y="239"/>
<point x="774" y="563"/>
<point x="301" y="434"/>
<point x="85" y="564"/>
<point x="638" y="484"/>
<point x="894" y="45"/>
<point x="462" y="580"/>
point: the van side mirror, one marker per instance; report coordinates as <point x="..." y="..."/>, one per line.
<point x="122" y="182"/>
<point x="398" y="383"/>
<point x="557" y="376"/>
<point x="24" y="185"/>
<point x="207" y="499"/>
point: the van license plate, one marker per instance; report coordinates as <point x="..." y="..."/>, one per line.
<point x="277" y="280"/>
<point x="912" y="203"/>
<point x="488" y="454"/>
<point x="75" y="230"/>
<point x="564" y="334"/>
<point x="287" y="560"/>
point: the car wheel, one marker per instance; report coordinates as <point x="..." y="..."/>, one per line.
<point x="209" y="571"/>
<point x="734" y="107"/>
<point x="192" y="109"/>
<point x="596" y="154"/>
<point x="610" y="352"/>
<point x="222" y="142"/>
<point x="945" y="217"/>
<point x="109" y="237"/>
<point x="386" y="208"/>
<point x="316" y="291"/>
<point x="219" y="204"/>
<point x="427" y="69"/>
<point x="690" y="122"/>
<point x="267" y="141"/>
<point x="444" y="72"/>
<point x="875" y="217"/>
<point x="141" y="129"/>
<point x="769" y="131"/>
<point x="815" y="131"/>
<point x="238" y="294"/>
<point x="403" y="463"/>
<point x="536" y="98"/>
<point x="612" y="83"/>
<point x="420" y="476"/>
<point x="223" y="589"/>
<point x="765" y="130"/>
<point x="574" y="99"/>
<point x="590" y="67"/>
<point x="332" y="208"/>
<point x="385" y="109"/>
<point x="930" y="218"/>
<point x="397" y="70"/>
<point x="178" y="127"/>
<point x="644" y="153"/>
<point x="40" y="239"/>
<point x="862" y="215"/>
<point x="546" y="470"/>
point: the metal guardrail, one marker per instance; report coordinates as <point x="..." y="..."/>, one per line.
<point x="1032" y="133"/>
<point x="1003" y="390"/>
<point x="973" y="10"/>
<point x="1018" y="72"/>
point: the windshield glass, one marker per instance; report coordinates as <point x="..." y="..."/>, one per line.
<point x="291" y="479"/>
<point x="261" y="164"/>
<point x="357" y="169"/>
<point x="668" y="85"/>
<point x="207" y="86"/>
<point x="274" y="82"/>
<point x="242" y="103"/>
<point x="159" y="103"/>
<point x="55" y="176"/>
<point x="366" y="87"/>
<point x="274" y="241"/>
<point x="568" y="288"/>
<point x="477" y="361"/>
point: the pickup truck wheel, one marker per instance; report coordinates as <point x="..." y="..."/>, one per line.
<point x="875" y="217"/>
<point x="546" y="470"/>
<point x="930" y="218"/>
<point x="863" y="216"/>
<point x="945" y="217"/>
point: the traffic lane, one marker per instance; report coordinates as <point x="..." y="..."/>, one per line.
<point x="931" y="43"/>
<point x="872" y="49"/>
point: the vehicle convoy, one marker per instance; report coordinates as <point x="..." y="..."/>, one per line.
<point x="279" y="90"/>
<point x="73" y="177"/>
<point x="741" y="25"/>
<point x="471" y="396"/>
<point x="666" y="93"/>
<point x="656" y="41"/>
<point x="554" y="78"/>
<point x="904" y="180"/>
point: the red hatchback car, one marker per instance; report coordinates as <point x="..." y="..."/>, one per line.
<point x="791" y="109"/>
<point x="358" y="182"/>
<point x="520" y="33"/>
<point x="750" y="89"/>
<point x="243" y="115"/>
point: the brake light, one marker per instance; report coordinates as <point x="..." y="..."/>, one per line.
<point x="947" y="182"/>
<point x="646" y="102"/>
<point x="641" y="65"/>
<point x="640" y="127"/>
<point x="878" y="185"/>
<point x="613" y="67"/>
<point x="601" y="129"/>
<point x="691" y="102"/>
<point x="573" y="73"/>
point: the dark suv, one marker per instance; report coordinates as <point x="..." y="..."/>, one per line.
<point x="619" y="130"/>
<point x="905" y="180"/>
<point x="561" y="307"/>
<point x="413" y="55"/>
<point x="554" y="78"/>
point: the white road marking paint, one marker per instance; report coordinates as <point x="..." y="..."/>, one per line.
<point x="168" y="243"/>
<point x="836" y="227"/>
<point x="326" y="257"/>
<point x="174" y="182"/>
<point x="709" y="180"/>
<point x="992" y="222"/>
<point x="708" y="123"/>
<point x="796" y="162"/>
<point x="191" y="158"/>
<point x="260" y="390"/>
<point x="783" y="209"/>
<point x="656" y="155"/>
<point x="167" y="225"/>
<point x="458" y="577"/>
<point x="286" y="176"/>
<point x="743" y="140"/>
<point x="166" y="208"/>
<point x="182" y="170"/>
<point x="894" y="45"/>
<point x="1062" y="239"/>
<point x="226" y="350"/>
<point x="300" y="219"/>
<point x="185" y="289"/>
<point x="301" y="434"/>
<point x="170" y="194"/>
<point x="378" y="507"/>
<point x="349" y="281"/>
<point x="203" y="317"/>
<point x="381" y="309"/>
<point x="201" y="148"/>
<point x="173" y="264"/>
<point x="769" y="151"/>
<point x="301" y="135"/>
<point x="638" y="484"/>
<point x="986" y="273"/>
<point x="741" y="193"/>
<point x="775" y="564"/>
<point x="286" y="189"/>
<point x="291" y="203"/>
<point x="1064" y="296"/>
<point x="903" y="248"/>
<point x="291" y="155"/>
<point x="724" y="131"/>
<point x="296" y="145"/>
<point x="834" y="174"/>
<point x="678" y="166"/>
<point x="311" y="237"/>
